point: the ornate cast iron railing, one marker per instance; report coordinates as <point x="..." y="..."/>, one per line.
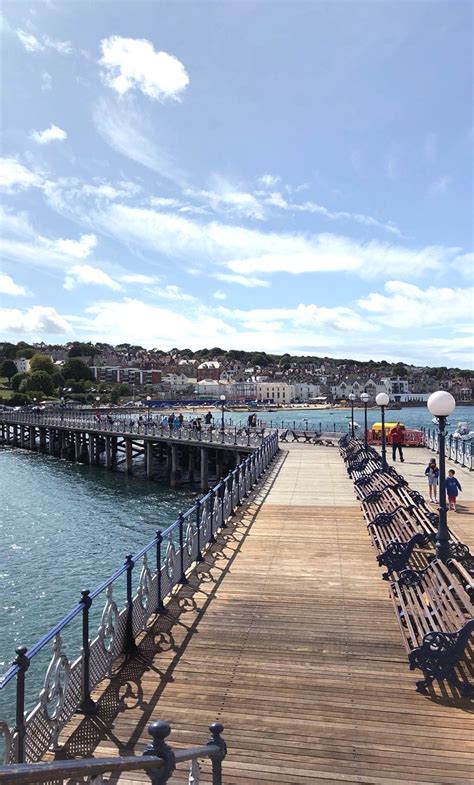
<point x="149" y="577"/>
<point x="458" y="450"/>
<point x="158" y="762"/>
<point x="131" y="426"/>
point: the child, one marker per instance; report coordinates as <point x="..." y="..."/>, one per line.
<point x="452" y="487"/>
<point x="432" y="472"/>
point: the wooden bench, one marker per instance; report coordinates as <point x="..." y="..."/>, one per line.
<point x="309" y="437"/>
<point x="435" y="616"/>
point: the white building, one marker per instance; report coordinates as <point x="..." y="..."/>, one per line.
<point x="275" y="392"/>
<point x="22" y="364"/>
<point x="177" y="381"/>
<point x="306" y="391"/>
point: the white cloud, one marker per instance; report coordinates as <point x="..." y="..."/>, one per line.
<point x="219" y="295"/>
<point x="86" y="274"/>
<point x="268" y="180"/>
<point x="339" y="318"/>
<point x="440" y="185"/>
<point x="8" y="286"/>
<point x="138" y="278"/>
<point x="131" y="63"/>
<point x="465" y="264"/>
<point x="51" y="134"/>
<point x="405" y="306"/>
<point x="15" y="224"/>
<point x="250" y="282"/>
<point x="124" y="130"/>
<point x="46" y="81"/>
<point x="247" y="252"/>
<point x="225" y="199"/>
<point x="13" y="175"/>
<point x="61" y="47"/>
<point x="79" y="249"/>
<point x="38" y="319"/>
<point x="129" y="319"/>
<point x="43" y="252"/>
<point x="173" y="292"/>
<point x="164" y="201"/>
<point x="30" y="42"/>
<point x="33" y="44"/>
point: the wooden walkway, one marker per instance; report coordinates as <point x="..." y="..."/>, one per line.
<point x="287" y="635"/>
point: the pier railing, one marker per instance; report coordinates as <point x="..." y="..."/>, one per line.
<point x="206" y="434"/>
<point x="158" y="762"/>
<point x="458" y="450"/>
<point x="144" y="581"/>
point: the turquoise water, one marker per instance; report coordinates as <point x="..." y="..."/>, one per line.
<point x="66" y="527"/>
<point x="412" y="417"/>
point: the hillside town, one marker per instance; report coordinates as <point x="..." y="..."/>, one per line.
<point x="79" y="370"/>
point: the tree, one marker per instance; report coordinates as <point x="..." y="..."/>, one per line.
<point x="123" y="389"/>
<point x="8" y="369"/>
<point x="41" y="362"/>
<point x="76" y="369"/>
<point x="19" y="399"/>
<point x="40" y="381"/>
<point x="8" y="351"/>
<point x="18" y="378"/>
<point x="27" y="353"/>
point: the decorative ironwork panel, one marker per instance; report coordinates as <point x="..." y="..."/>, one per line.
<point x="144" y="585"/>
<point x="108" y="627"/>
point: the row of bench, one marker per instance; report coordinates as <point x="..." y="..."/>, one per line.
<point x="307" y="437"/>
<point x="433" y="601"/>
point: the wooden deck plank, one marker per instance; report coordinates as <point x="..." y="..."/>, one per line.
<point x="287" y="635"/>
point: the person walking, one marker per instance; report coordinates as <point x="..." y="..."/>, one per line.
<point x="208" y="418"/>
<point x="432" y="474"/>
<point x="453" y="486"/>
<point x="397" y="436"/>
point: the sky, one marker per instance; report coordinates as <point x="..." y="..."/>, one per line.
<point x="278" y="176"/>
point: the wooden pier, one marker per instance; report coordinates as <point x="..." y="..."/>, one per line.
<point x="175" y="456"/>
<point x="285" y="633"/>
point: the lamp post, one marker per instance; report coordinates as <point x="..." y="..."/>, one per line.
<point x="382" y="400"/>
<point x="364" y="398"/>
<point x="222" y="413"/>
<point x="441" y="404"/>
<point x="148" y="399"/>
<point x="352" y="399"/>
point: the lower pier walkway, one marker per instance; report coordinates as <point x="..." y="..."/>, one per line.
<point x="286" y="634"/>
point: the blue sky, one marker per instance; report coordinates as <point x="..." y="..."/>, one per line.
<point x="286" y="176"/>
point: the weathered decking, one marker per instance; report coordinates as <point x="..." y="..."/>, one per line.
<point x="287" y="635"/>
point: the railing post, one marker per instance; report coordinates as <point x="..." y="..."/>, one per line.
<point x="160" y="608"/>
<point x="217" y="757"/>
<point x="222" y="494"/>
<point x="130" y="645"/>
<point x="211" y="504"/>
<point x="23" y="663"/>
<point x="235" y="435"/>
<point x="159" y="749"/>
<point x="87" y="705"/>
<point x="183" y="580"/>
<point x="199" y="556"/>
